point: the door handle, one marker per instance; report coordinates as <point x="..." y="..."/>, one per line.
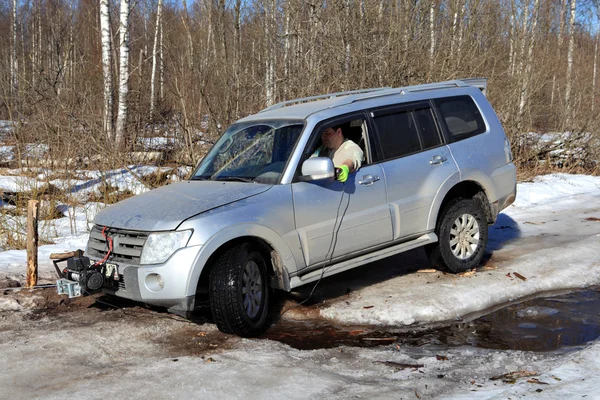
<point x="368" y="180"/>
<point x="437" y="160"/>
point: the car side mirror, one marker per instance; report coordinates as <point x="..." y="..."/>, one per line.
<point x="317" y="168"/>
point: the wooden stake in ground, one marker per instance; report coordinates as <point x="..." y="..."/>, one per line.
<point x="33" y="207"/>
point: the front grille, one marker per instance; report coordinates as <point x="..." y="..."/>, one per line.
<point x="127" y="245"/>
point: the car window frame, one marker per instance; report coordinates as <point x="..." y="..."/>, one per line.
<point x="338" y="119"/>
<point x="449" y="137"/>
<point x="296" y="121"/>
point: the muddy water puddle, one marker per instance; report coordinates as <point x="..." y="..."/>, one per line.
<point x="542" y="324"/>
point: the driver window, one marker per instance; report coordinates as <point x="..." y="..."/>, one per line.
<point x="354" y="130"/>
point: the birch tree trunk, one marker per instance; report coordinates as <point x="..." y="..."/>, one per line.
<point x="513" y="30"/>
<point x="561" y="30"/>
<point x="13" y="55"/>
<point x="454" y="25"/>
<point x="33" y="57"/>
<point x="313" y="26"/>
<point x="347" y="46"/>
<point x="270" y="23"/>
<point x="286" y="51"/>
<point x="161" y="64"/>
<point x="461" y="31"/>
<point x="570" y="63"/>
<point x="529" y="60"/>
<point x="523" y="39"/>
<point x="406" y="30"/>
<point x="185" y="18"/>
<point x="432" y="36"/>
<point x="123" y="72"/>
<point x="154" y="55"/>
<point x="107" y="120"/>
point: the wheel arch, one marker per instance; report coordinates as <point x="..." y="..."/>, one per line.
<point x="465" y="189"/>
<point x="275" y="251"/>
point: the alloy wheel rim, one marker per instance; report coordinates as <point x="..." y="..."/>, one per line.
<point x="464" y="236"/>
<point x="252" y="289"/>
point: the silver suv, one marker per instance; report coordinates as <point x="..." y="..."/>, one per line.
<point x="259" y="213"/>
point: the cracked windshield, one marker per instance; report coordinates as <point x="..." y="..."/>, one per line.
<point x="251" y="152"/>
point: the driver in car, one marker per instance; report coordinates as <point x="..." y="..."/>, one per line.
<point x="346" y="155"/>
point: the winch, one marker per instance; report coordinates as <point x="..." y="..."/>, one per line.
<point x="79" y="275"/>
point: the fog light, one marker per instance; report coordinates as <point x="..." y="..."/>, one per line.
<point x="155" y="282"/>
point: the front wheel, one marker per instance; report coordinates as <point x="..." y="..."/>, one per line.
<point x="239" y="291"/>
<point x="462" y="237"/>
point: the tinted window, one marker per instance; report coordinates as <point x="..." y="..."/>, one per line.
<point x="397" y="134"/>
<point x="427" y="129"/>
<point x="462" y="117"/>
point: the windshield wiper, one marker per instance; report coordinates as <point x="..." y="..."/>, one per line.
<point x="234" y="178"/>
<point x="200" y="178"/>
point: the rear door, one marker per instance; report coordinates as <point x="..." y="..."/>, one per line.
<point x="336" y="220"/>
<point x="415" y="162"/>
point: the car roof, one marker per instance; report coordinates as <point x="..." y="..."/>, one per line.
<point x="304" y="107"/>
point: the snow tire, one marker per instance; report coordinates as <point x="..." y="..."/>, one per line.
<point x="462" y="232"/>
<point x="239" y="291"/>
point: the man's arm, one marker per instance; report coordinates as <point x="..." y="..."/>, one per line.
<point x="353" y="156"/>
<point x="350" y="164"/>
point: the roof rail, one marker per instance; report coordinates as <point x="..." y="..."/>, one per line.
<point x="320" y="97"/>
<point x="480" y="83"/>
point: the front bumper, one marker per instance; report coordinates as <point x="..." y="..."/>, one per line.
<point x="139" y="282"/>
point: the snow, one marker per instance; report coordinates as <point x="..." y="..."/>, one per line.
<point x="548" y="188"/>
<point x="549" y="237"/>
<point x="5" y="126"/>
<point x="550" y="204"/>
<point x="158" y="142"/>
<point x="15" y="184"/>
<point x="6" y="153"/>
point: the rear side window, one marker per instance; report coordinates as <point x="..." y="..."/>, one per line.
<point x="462" y="117"/>
<point x="406" y="131"/>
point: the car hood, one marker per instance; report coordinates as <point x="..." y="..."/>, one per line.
<point x="166" y="207"/>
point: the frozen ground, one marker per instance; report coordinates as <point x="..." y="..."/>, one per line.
<point x="55" y="348"/>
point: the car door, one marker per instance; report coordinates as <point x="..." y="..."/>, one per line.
<point x="415" y="162"/>
<point x="334" y="219"/>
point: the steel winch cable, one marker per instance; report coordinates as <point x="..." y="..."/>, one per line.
<point x="332" y="244"/>
<point x="31" y="287"/>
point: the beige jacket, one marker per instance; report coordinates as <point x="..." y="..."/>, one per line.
<point x="347" y="151"/>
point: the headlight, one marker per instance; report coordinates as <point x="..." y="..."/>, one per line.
<point x="160" y="246"/>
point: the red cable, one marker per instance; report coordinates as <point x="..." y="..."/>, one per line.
<point x="110" y="248"/>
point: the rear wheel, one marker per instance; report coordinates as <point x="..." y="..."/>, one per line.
<point x="239" y="291"/>
<point x="462" y="237"/>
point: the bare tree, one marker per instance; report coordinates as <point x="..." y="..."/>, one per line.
<point x="270" y="35"/>
<point x="154" y="56"/>
<point x="561" y="31"/>
<point x="594" y="74"/>
<point x="228" y="58"/>
<point x="528" y="61"/>
<point x="13" y="54"/>
<point x="105" y="37"/>
<point x="568" y="105"/>
<point x="431" y="35"/>
<point x="123" y="72"/>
